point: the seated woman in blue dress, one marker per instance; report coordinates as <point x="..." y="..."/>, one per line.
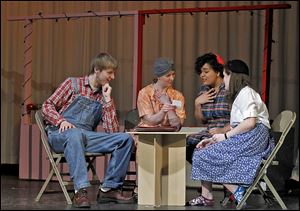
<point x="232" y="159"/>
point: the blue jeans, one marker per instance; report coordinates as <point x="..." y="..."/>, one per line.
<point x="75" y="141"/>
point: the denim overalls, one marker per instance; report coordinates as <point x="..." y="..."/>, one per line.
<point x="85" y="114"/>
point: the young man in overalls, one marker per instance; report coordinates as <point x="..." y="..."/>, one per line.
<point x="72" y="114"/>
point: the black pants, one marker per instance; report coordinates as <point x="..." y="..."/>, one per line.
<point x="189" y="151"/>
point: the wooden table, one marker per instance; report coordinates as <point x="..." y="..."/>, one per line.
<point x="161" y="158"/>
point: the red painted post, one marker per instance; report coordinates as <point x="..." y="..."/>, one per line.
<point x="267" y="56"/>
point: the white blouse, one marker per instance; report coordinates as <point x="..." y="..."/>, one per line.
<point x="248" y="103"/>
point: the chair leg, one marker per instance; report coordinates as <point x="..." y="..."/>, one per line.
<point x="266" y="196"/>
<point x="274" y="192"/>
<point x="131" y="184"/>
<point x="55" y="170"/>
<point x="38" y="197"/>
<point x="247" y="194"/>
<point x="92" y="167"/>
<point x="60" y="180"/>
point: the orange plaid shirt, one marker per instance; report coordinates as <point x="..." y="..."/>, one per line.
<point x="148" y="104"/>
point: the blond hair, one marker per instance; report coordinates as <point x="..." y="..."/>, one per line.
<point x="103" y="61"/>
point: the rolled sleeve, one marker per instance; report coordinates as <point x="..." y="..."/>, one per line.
<point x="250" y="110"/>
<point x="109" y="117"/>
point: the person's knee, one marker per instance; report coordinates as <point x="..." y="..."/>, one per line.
<point x="75" y="136"/>
<point x="124" y="139"/>
<point x="127" y="137"/>
<point x="128" y="140"/>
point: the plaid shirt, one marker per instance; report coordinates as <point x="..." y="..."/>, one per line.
<point x="64" y="95"/>
<point x="216" y="113"/>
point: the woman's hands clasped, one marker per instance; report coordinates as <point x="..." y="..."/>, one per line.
<point x="209" y="141"/>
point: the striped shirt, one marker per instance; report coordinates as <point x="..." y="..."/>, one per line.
<point x="65" y="94"/>
<point x="216" y="113"/>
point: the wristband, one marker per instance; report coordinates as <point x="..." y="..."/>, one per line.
<point x="225" y="136"/>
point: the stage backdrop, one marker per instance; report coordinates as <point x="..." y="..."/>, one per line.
<point x="65" y="48"/>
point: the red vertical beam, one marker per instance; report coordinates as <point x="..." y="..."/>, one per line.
<point x="139" y="20"/>
<point x="27" y="92"/>
<point x="267" y="56"/>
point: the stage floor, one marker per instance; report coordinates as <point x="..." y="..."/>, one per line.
<point x="20" y="194"/>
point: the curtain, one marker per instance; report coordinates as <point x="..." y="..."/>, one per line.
<point x="64" y="48"/>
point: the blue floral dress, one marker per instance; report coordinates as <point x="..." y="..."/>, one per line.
<point x="234" y="160"/>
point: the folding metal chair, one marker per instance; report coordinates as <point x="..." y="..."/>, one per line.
<point x="282" y="124"/>
<point x="57" y="158"/>
<point x="132" y="119"/>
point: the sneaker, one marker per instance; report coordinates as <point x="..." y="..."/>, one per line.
<point x="81" y="199"/>
<point x="114" y="195"/>
<point x="239" y="194"/>
<point x="201" y="201"/>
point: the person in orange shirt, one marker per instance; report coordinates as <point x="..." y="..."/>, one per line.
<point x="159" y="104"/>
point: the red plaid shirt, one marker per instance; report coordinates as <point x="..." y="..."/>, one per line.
<point x="64" y="95"/>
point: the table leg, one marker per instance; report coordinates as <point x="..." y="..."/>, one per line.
<point x="161" y="169"/>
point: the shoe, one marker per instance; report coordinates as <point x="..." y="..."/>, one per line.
<point x="239" y="194"/>
<point x="228" y="197"/>
<point x="201" y="201"/>
<point x="114" y="195"/>
<point x="80" y="199"/>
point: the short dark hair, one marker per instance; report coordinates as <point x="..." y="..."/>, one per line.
<point x="237" y="66"/>
<point x="210" y="59"/>
<point x="239" y="79"/>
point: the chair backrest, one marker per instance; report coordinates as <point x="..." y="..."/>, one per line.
<point x="132" y="119"/>
<point x="281" y="124"/>
<point x="40" y="122"/>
